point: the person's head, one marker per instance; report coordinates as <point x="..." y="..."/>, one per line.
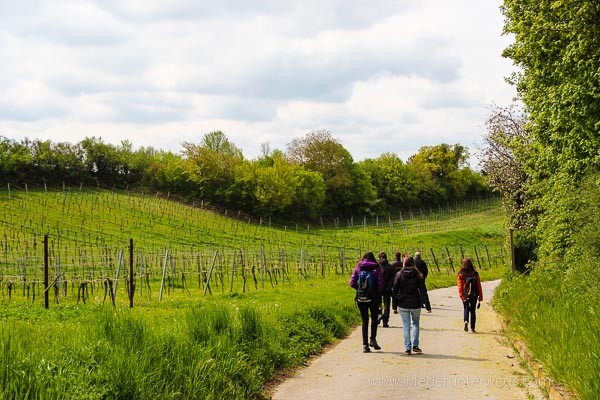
<point x="398" y="256"/>
<point x="467" y="265"/>
<point x="418" y="255"/>
<point x="409" y="262"/>
<point x="369" y="256"/>
<point x="382" y="256"/>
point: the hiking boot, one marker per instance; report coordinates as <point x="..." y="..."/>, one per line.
<point x="408" y="352"/>
<point x="466" y="327"/>
<point x="373" y="344"/>
<point x="417" y="350"/>
<point x="366" y="349"/>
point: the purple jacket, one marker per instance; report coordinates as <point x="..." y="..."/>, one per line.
<point x="368" y="266"/>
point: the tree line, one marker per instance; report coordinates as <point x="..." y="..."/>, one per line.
<point x="543" y="155"/>
<point x="314" y="177"/>
<point x="542" y="152"/>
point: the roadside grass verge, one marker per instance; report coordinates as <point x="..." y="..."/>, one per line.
<point x="227" y="346"/>
<point x="560" y="329"/>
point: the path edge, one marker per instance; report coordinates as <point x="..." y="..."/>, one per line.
<point x="552" y="389"/>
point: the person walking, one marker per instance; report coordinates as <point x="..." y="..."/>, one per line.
<point x="389" y="272"/>
<point x="469" y="290"/>
<point x="421" y="265"/>
<point x="397" y="265"/>
<point x="367" y="279"/>
<point x="409" y="292"/>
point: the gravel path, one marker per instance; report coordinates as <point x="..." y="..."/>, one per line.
<point x="454" y="364"/>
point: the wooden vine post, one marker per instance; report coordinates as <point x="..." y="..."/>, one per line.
<point x="46" y="299"/>
<point x="131" y="280"/>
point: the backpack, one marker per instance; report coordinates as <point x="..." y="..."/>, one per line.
<point x="471" y="291"/>
<point x="366" y="287"/>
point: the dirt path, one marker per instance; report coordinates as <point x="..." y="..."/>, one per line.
<point x="455" y="364"/>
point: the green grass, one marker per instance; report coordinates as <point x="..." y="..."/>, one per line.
<point x="89" y="232"/>
<point x="226" y="346"/>
<point x="560" y="329"/>
<point x="95" y="218"/>
<point x="229" y="343"/>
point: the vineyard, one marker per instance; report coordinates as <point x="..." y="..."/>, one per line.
<point x="183" y="249"/>
<point x="223" y="302"/>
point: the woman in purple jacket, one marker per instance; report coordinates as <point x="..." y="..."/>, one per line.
<point x="370" y="305"/>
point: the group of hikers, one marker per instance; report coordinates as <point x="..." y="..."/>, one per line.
<point x="401" y="287"/>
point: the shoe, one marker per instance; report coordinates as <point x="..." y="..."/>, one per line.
<point x="373" y="344"/>
<point x="366" y="349"/>
<point x="408" y="352"/>
<point x="417" y="350"/>
<point x="466" y="327"/>
<point x="473" y="330"/>
<point x="386" y="325"/>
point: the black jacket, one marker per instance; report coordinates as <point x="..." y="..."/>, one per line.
<point x="409" y="290"/>
<point x="388" y="275"/>
<point x="422" y="266"/>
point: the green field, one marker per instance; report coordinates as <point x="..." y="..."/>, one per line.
<point x="212" y="335"/>
<point x="184" y="249"/>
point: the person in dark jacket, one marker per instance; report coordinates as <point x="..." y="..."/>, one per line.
<point x="369" y="263"/>
<point x="469" y="299"/>
<point x="397" y="265"/>
<point x="409" y="292"/>
<point x="388" y="272"/>
<point x="421" y="265"/>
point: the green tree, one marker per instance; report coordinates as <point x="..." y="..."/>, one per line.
<point x="310" y="195"/>
<point x="16" y="161"/>
<point x="557" y="47"/>
<point x="211" y="165"/>
<point x="347" y="190"/>
<point x="102" y="161"/>
<point x="441" y="164"/>
<point x="167" y="173"/>
<point x="393" y="180"/>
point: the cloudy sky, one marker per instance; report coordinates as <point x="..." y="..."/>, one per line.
<point x="381" y="76"/>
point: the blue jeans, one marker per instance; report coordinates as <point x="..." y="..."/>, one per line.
<point x="469" y="308"/>
<point x="410" y="319"/>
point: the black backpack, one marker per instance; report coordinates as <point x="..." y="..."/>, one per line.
<point x="365" y="287"/>
<point x="471" y="291"/>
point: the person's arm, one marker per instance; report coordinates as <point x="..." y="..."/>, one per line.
<point x="379" y="275"/>
<point x="461" y="285"/>
<point x="395" y="288"/>
<point x="354" y="279"/>
<point x="424" y="295"/>
<point x="478" y="280"/>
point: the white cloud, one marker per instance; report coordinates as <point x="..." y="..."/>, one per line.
<point x="391" y="77"/>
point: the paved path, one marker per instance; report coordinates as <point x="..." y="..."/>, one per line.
<point x="455" y="364"/>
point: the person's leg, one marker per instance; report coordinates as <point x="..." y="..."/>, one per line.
<point x="374" y="308"/>
<point x="386" y="308"/>
<point x="466" y="313"/>
<point x="405" y="315"/>
<point x="416" y="316"/>
<point x="364" y="315"/>
<point x="472" y="308"/>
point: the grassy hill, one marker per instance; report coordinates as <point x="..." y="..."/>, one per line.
<point x="89" y="232"/>
<point x="222" y="305"/>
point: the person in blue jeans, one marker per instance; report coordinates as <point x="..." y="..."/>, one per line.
<point x="408" y="295"/>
